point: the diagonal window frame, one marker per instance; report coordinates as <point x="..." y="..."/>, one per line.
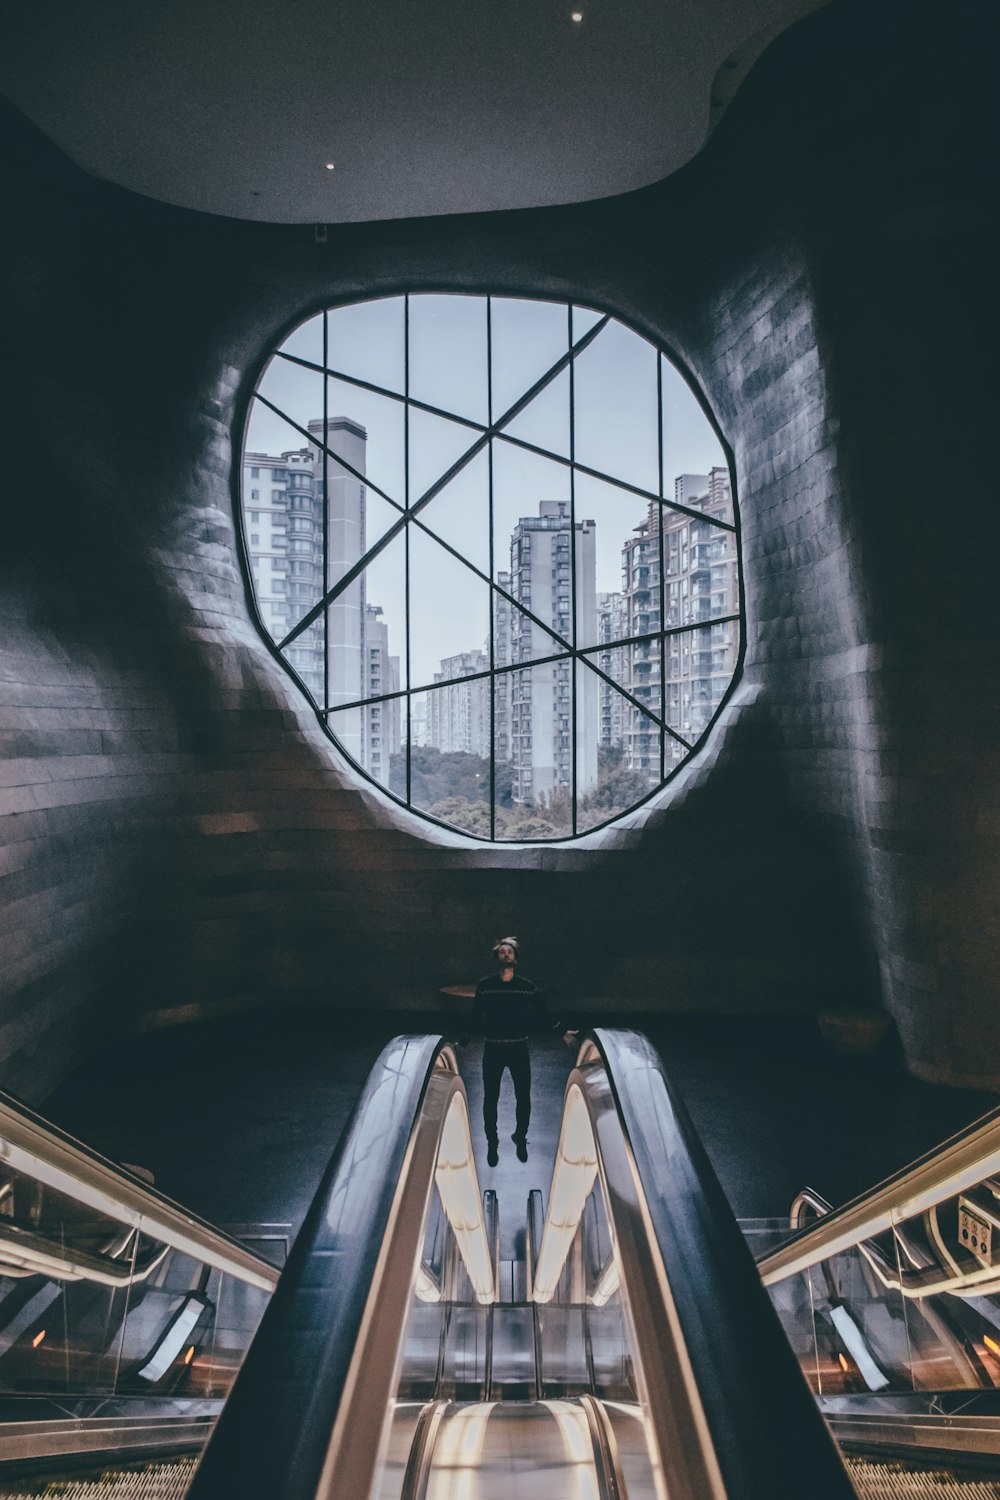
<point x="409" y="514"/>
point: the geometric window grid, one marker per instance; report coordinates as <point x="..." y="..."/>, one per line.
<point x="495" y="540"/>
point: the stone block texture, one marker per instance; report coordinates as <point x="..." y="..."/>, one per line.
<point x="179" y="837"/>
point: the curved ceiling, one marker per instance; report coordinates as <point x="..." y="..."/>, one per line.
<point x="446" y="106"/>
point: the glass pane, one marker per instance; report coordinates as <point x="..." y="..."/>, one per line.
<point x="345" y="725"/>
<point x="366" y="340"/>
<point x="383" y="664"/>
<point x="356" y="517"/>
<point x="369" y="432"/>
<point x="530" y="497"/>
<point x="545" y="420"/>
<point x="448" y="363"/>
<point x="435" y="446"/>
<point x="563" y="1341"/>
<point x="614" y="776"/>
<point x="618" y="550"/>
<point x="306" y="341"/>
<point x="450" y="770"/>
<point x="449" y="614"/>
<point x="503" y="749"/>
<point x="535" y="709"/>
<point x="637" y="669"/>
<point x="697" y="669"/>
<point x="277" y="484"/>
<point x="460" y="513"/>
<point x="584" y="319"/>
<point x="169" y="1319"/>
<point x="528" y="338"/>
<point x="616" y="416"/>
<point x="295" y="391"/>
<point x="701" y="569"/>
<point x="272" y="438"/>
<point x="238" y="1311"/>
<point x="519" y="638"/>
<point x="381" y="738"/>
<point x="690" y="445"/>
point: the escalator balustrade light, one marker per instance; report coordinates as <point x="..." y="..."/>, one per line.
<point x="189" y="1354"/>
<point x="458" y="1187"/>
<point x="172" y="1341"/>
<point x="427" y="1289"/>
<point x="37" y="1339"/>
<point x="991" y="1344"/>
<point x="854" y="1341"/>
<point x="572" y="1183"/>
<point x="608" y="1283"/>
<point x="844" y="1363"/>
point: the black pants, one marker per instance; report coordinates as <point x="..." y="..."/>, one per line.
<point x="496" y="1057"/>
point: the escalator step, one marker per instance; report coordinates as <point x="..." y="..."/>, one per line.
<point x="898" y="1481"/>
<point x="157" y="1481"/>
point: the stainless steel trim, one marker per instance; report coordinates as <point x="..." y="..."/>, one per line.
<point x="960" y="1164"/>
<point x="954" y="1435"/>
<point x="61" y="1438"/>
<point x="30" y="1146"/>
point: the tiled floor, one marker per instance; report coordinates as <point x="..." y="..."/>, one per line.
<point x="237" y="1118"/>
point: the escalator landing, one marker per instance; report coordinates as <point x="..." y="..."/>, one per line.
<point x="518" y="1450"/>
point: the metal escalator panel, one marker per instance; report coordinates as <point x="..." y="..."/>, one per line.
<point x="512" y="1450"/>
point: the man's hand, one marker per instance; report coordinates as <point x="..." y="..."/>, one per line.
<point x="571" y="1038"/>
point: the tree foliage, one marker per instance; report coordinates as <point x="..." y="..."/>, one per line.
<point x="435" y="775"/>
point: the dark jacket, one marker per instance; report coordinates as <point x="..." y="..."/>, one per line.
<point x="509" y="1012"/>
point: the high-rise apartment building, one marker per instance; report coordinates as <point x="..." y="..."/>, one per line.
<point x="280" y="494"/>
<point x="380" y="731"/>
<point x="459" y="716"/>
<point x="541" y="702"/>
<point x="283" y="503"/>
<point x="641" y="596"/>
<point x="702" y="583"/>
<point x="612" y="626"/>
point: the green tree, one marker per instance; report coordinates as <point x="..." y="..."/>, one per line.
<point x="435" y="775"/>
<point x="617" y="790"/>
<point x="471" y="817"/>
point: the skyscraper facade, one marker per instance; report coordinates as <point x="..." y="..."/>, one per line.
<point x="460" y="712"/>
<point x="541" y="700"/>
<point x="286" y="531"/>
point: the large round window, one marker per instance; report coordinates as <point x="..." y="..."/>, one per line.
<point x="495" y="540"/>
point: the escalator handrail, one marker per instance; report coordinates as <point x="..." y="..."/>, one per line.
<point x="309" y="1406"/>
<point x="961" y="1163"/>
<point x="41" y="1151"/>
<point x="717" y="1366"/>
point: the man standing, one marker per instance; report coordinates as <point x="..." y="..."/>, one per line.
<point x="504" y="1013"/>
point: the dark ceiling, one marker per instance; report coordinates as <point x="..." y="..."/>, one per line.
<point x="442" y="107"/>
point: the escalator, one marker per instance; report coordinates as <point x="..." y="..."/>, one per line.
<point x="123" y="1317"/>
<point x="631" y="1348"/>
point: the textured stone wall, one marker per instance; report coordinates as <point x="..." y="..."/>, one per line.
<point x="177" y="833"/>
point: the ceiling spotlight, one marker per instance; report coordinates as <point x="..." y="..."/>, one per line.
<point x="330" y="166"/>
<point x="577" y="16"/>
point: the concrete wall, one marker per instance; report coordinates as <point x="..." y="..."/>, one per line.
<point x="176" y="829"/>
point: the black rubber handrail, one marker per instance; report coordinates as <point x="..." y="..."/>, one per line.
<point x="769" y="1438"/>
<point x="273" y="1437"/>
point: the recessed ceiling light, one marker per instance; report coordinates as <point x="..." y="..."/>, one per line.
<point x="577" y="16"/>
<point x="330" y="166"/>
